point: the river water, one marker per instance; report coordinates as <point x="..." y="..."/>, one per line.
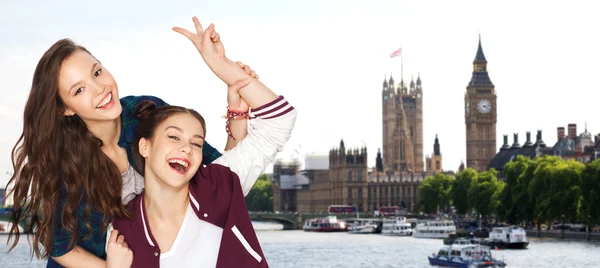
<point x="291" y="249"/>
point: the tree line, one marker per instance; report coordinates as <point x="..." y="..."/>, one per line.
<point x="260" y="197"/>
<point x="534" y="190"/>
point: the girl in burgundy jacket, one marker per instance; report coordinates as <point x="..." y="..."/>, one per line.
<point x="199" y="219"/>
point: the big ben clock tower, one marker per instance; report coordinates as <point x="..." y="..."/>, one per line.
<point x="480" y="115"/>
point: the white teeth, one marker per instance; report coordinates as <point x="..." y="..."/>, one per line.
<point x="105" y="101"/>
<point x="183" y="163"/>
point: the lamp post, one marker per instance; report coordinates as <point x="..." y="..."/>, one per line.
<point x="589" y="228"/>
<point x="562" y="227"/>
<point x="539" y="224"/>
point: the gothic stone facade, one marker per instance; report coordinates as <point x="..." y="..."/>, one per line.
<point x="402" y="126"/>
<point x="480" y="115"/>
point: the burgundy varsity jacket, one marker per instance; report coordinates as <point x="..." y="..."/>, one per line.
<point x="217" y="193"/>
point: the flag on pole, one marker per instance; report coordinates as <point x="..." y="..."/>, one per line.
<point x="396" y="53"/>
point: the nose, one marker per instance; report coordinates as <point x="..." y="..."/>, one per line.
<point x="187" y="149"/>
<point x="99" y="88"/>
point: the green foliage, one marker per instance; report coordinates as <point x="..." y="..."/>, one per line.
<point x="512" y="192"/>
<point x="260" y="197"/>
<point x="590" y="193"/>
<point x="460" y="190"/>
<point x="555" y="188"/>
<point x="549" y="187"/>
<point x="481" y="192"/>
<point x="434" y="192"/>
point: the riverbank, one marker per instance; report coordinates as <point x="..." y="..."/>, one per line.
<point x="595" y="236"/>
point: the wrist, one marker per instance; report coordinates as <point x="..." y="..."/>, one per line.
<point x="228" y="71"/>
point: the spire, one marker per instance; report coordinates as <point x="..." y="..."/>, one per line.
<point x="418" y="79"/>
<point x="480" y="57"/>
<point x="342" y="145"/>
<point x="412" y="82"/>
<point x="379" y="161"/>
<point x="385" y="84"/>
<point x="391" y="82"/>
<point x="436" y="146"/>
<point x="480" y="77"/>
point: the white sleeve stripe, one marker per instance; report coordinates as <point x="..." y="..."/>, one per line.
<point x="271" y="113"/>
<point x="265" y="106"/>
<point x="280" y="114"/>
<point x="275" y="106"/>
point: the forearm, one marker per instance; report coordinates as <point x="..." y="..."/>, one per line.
<point x="239" y="130"/>
<point x="255" y="93"/>
<point x="79" y="257"/>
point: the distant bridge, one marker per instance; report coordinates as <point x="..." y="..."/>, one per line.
<point x="292" y="221"/>
<point x="6" y="217"/>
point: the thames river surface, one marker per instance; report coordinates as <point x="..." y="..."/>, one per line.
<point x="288" y="249"/>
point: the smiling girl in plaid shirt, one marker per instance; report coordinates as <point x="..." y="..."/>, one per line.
<point x="73" y="160"/>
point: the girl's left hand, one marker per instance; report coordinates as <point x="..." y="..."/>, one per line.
<point x="234" y="100"/>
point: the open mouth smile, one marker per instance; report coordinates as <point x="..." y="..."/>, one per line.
<point x="179" y="165"/>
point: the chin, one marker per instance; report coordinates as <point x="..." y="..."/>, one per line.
<point x="178" y="184"/>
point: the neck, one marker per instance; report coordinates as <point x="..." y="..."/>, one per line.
<point x="163" y="202"/>
<point x="108" y="132"/>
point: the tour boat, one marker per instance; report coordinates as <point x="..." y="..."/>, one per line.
<point x="434" y="229"/>
<point x="396" y="227"/>
<point x="5" y="227"/>
<point x="363" y="227"/>
<point x="506" y="237"/>
<point x="326" y="224"/>
<point x="465" y="256"/>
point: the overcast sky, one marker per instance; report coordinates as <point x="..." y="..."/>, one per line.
<point x="329" y="59"/>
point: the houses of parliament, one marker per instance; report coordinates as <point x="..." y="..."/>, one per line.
<point x="343" y="177"/>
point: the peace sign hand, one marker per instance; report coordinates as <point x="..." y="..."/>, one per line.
<point x="207" y="41"/>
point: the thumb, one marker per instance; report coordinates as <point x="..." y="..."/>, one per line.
<point x="207" y="33"/>
<point x="239" y="84"/>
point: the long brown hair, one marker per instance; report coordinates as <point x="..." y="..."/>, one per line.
<point x="150" y="117"/>
<point x="58" y="158"/>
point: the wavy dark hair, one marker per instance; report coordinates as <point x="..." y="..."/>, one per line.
<point x="58" y="163"/>
<point x="150" y="117"/>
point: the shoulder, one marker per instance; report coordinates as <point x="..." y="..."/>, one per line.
<point x="218" y="177"/>
<point x="125" y="225"/>
<point x="129" y="102"/>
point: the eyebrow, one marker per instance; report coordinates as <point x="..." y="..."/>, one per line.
<point x="79" y="82"/>
<point x="181" y="130"/>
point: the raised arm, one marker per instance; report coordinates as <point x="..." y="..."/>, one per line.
<point x="255" y="93"/>
<point x="237" y="125"/>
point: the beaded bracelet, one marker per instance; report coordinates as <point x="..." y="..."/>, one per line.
<point x="235" y="115"/>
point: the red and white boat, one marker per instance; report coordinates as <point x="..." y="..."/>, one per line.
<point x="326" y="224"/>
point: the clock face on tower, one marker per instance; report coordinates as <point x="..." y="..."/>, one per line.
<point x="484" y="106"/>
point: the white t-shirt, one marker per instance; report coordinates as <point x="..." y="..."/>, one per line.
<point x="196" y="244"/>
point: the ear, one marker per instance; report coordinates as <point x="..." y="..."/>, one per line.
<point x="68" y="112"/>
<point x="143" y="146"/>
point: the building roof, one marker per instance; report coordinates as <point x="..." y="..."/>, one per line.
<point x="480" y="57"/>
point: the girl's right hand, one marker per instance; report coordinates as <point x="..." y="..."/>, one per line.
<point x="118" y="254"/>
<point x="207" y="41"/>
